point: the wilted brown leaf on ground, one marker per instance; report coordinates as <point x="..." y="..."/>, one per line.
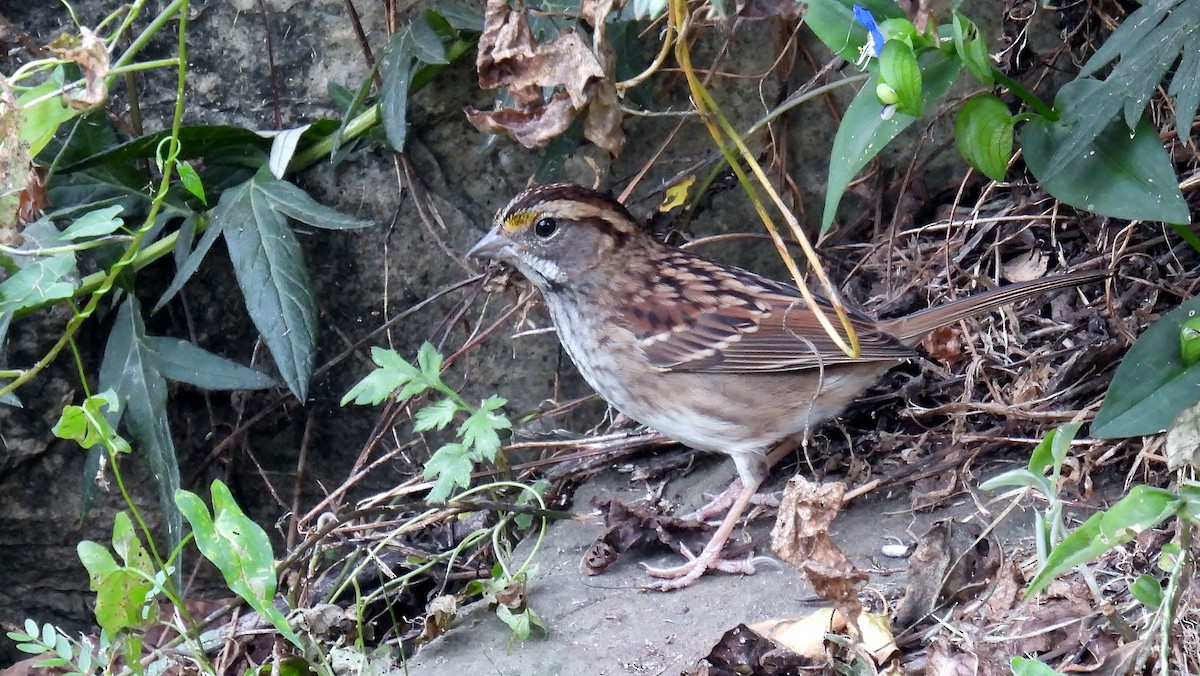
<point x="950" y="562"/>
<point x="510" y="58"/>
<point x="439" y="615"/>
<point x="1026" y="267"/>
<point x="944" y="345"/>
<point x="627" y="526"/>
<point x="801" y="537"/>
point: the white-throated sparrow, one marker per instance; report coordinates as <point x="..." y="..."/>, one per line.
<point x="713" y="356"/>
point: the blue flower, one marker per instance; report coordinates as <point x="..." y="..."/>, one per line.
<point x="874" y="37"/>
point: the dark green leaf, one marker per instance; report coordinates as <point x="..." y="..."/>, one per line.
<point x="270" y="270"/>
<point x="1115" y="175"/>
<point x="1152" y="385"/>
<point x="898" y="68"/>
<point x="299" y="205"/>
<point x="186" y="362"/>
<point x="983" y="134"/>
<point x="127" y="369"/>
<point x="239" y="548"/>
<point x="863" y="133"/>
<point x="354" y="107"/>
<point x="201" y="141"/>
<point x="426" y="44"/>
<point x="1147" y="590"/>
<point x="461" y="16"/>
<point x="972" y="49"/>
<point x="397" y="68"/>
<point x="1185" y="86"/>
<point x="1130" y="36"/>
<point x="1088" y="111"/>
<point x="229" y="207"/>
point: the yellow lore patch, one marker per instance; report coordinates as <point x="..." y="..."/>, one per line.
<point x="519" y="220"/>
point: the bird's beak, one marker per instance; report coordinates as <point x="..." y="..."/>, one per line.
<point x="494" y="246"/>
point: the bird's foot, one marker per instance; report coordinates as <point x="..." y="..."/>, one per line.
<point x="712" y="558"/>
<point x="721" y="503"/>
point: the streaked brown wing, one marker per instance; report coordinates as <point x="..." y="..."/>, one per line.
<point x="697" y="315"/>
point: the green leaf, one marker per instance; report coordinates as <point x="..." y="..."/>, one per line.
<point x="239" y="548"/>
<point x="451" y="467"/>
<point x="863" y="133"/>
<point x="191" y="180"/>
<point x="270" y="270"/>
<point x="397" y="66"/>
<point x="478" y="432"/>
<point x="42" y="120"/>
<point x="1147" y="590"/>
<point x="1023" y="666"/>
<point x="1114" y="175"/>
<point x="833" y="23"/>
<point x="87" y="425"/>
<point x="1185" y="86"/>
<point x="983" y="134"/>
<point x="39" y="283"/>
<point x="186" y="362"/>
<point x="299" y="205"/>
<point x="435" y="416"/>
<point x="1189" y="492"/>
<point x="425" y="43"/>
<point x="1152" y="386"/>
<point x="394" y="372"/>
<point x="196" y="142"/>
<point x="228" y="203"/>
<point x="430" y="362"/>
<point x="128" y="371"/>
<point x="898" y="68"/>
<point x="972" y="49"/>
<point x="94" y="224"/>
<point x="1019" y="478"/>
<point x="1148" y="42"/>
<point x="1052" y="451"/>
<point x="461" y="16"/>
<point x="1142" y="508"/>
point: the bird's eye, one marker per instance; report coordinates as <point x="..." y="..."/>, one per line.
<point x="545" y="227"/>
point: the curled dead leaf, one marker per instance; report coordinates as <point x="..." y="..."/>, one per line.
<point x="944" y="345"/>
<point x="510" y="58"/>
<point x="801" y="537"/>
<point x="89" y="53"/>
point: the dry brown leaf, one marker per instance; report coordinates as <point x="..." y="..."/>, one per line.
<point x="90" y="54"/>
<point x="944" y="344"/>
<point x="510" y="58"/>
<point x="1026" y="267"/>
<point x="801" y="537"/>
<point x="950" y="562"/>
<point x="1030" y="384"/>
<point x="439" y="615"/>
<point x="1183" y="440"/>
